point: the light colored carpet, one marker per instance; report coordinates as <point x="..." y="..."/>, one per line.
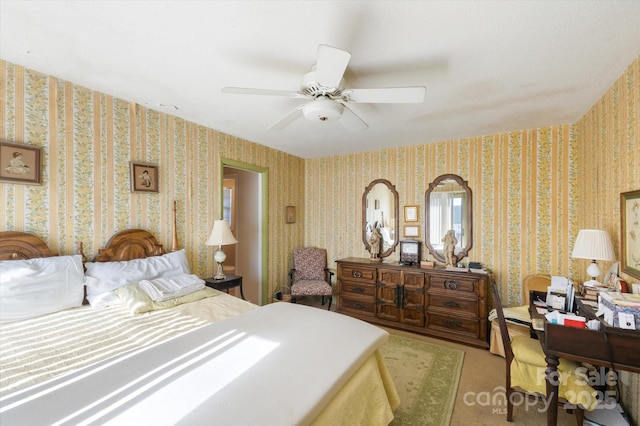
<point x="426" y="377"/>
<point x="482" y="382"/>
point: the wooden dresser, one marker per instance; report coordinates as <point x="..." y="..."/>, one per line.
<point x="435" y="302"/>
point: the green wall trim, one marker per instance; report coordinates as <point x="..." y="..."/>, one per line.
<point x="264" y="227"/>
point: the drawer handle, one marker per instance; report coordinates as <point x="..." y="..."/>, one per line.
<point x="356" y="274"/>
<point x="358" y="289"/>
<point x="451" y="304"/>
<point x="451" y="284"/>
<point x="452" y="323"/>
<point x="358" y="305"/>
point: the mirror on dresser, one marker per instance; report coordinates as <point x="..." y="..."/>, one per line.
<point x="448" y="207"/>
<point x="380" y="210"/>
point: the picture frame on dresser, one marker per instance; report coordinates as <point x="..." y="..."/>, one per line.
<point x="630" y="232"/>
<point x="20" y="163"/>
<point x="144" y="177"/>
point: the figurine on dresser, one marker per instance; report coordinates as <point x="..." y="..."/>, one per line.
<point x="450" y="242"/>
<point x="374" y="242"/>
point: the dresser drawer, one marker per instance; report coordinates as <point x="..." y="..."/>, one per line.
<point x="462" y="285"/>
<point x="349" y="287"/>
<point x="363" y="305"/>
<point x="447" y="322"/>
<point x="357" y="273"/>
<point x="448" y="301"/>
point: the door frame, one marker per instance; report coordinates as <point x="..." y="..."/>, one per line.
<point x="264" y="217"/>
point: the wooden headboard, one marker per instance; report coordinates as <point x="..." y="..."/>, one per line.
<point x="16" y="245"/>
<point x="128" y="245"/>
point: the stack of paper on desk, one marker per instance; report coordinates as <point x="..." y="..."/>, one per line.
<point x="560" y="293"/>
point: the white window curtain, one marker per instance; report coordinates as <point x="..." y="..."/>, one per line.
<point x="440" y="216"/>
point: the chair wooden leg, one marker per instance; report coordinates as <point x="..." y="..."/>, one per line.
<point x="293" y="299"/>
<point x="579" y="416"/>
<point x="509" y="405"/>
<point x="330" y="299"/>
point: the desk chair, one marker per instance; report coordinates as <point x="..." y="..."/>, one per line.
<point x="518" y="319"/>
<point x="524" y="359"/>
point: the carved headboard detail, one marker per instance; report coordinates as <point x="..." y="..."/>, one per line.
<point x="128" y="245"/>
<point x="16" y="245"/>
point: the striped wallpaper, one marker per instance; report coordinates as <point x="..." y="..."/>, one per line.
<point x="523" y="202"/>
<point x="532" y="189"/>
<point x="88" y="140"/>
<point x="608" y="164"/>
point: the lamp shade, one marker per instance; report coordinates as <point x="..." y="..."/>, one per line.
<point x="593" y="244"/>
<point x="221" y="234"/>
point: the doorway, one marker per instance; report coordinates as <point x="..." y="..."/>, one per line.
<point x="245" y="201"/>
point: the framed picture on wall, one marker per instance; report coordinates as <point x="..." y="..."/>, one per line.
<point x="290" y="214"/>
<point x="144" y="177"/>
<point x="630" y="232"/>
<point x="20" y="163"/>
<point x="410" y="213"/>
<point x="412" y="231"/>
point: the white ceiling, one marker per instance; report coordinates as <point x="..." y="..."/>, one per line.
<point x="488" y="66"/>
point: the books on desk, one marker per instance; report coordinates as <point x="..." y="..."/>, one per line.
<point x="591" y="292"/>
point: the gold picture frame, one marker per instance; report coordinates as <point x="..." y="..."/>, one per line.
<point x="20" y="163"/>
<point x="410" y="213"/>
<point x="412" y="231"/>
<point x="144" y="177"/>
<point x="290" y="214"/>
<point x="630" y="232"/>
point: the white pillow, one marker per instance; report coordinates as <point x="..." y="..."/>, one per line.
<point x="33" y="287"/>
<point x="102" y="278"/>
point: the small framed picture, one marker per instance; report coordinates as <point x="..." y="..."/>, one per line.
<point x="290" y="214"/>
<point x="410" y="213"/>
<point x="144" y="177"/>
<point x="630" y="232"/>
<point x="412" y="231"/>
<point x="20" y="163"/>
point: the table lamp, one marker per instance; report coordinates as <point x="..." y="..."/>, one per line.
<point x="593" y="244"/>
<point x="220" y="236"/>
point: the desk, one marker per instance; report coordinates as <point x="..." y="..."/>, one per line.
<point x="230" y="281"/>
<point x="607" y="347"/>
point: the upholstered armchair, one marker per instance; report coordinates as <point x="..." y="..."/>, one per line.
<point x="310" y="275"/>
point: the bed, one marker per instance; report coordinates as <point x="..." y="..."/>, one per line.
<point x="204" y="359"/>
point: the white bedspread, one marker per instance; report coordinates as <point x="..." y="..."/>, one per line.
<point x="280" y="364"/>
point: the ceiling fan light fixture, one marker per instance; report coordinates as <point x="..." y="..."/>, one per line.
<point x="323" y="109"/>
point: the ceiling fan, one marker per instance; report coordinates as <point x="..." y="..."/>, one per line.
<point x="324" y="87"/>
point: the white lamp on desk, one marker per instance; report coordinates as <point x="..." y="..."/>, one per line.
<point x="220" y="236"/>
<point x="593" y="244"/>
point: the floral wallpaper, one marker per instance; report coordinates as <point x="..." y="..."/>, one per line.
<point x="89" y="138"/>
<point x="608" y="164"/>
<point x="532" y="189"/>
<point x="521" y="182"/>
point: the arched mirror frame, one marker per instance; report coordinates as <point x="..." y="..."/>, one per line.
<point x="396" y="224"/>
<point x="468" y="220"/>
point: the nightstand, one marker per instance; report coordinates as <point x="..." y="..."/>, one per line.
<point x="230" y="281"/>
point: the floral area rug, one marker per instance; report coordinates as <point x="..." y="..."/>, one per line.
<point x="426" y="377"/>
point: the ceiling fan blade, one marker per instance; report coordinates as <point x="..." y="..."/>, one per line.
<point x="391" y="95"/>
<point x="268" y="92"/>
<point x="351" y="121"/>
<point x="287" y="119"/>
<point x="331" y="65"/>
